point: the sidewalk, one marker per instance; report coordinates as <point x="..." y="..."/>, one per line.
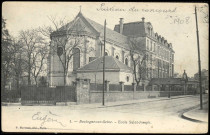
<point x="197" y="115"/>
<point x="107" y="104"/>
<point x="120" y="103"/>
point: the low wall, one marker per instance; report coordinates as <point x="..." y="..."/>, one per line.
<point x="112" y="96"/>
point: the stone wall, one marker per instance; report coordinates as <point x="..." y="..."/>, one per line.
<point x="112" y="96"/>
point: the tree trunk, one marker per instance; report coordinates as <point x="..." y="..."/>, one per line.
<point x="64" y="77"/>
<point x="35" y="78"/>
<point x="29" y="71"/>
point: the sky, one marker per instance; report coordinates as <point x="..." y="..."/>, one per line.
<point x="177" y="25"/>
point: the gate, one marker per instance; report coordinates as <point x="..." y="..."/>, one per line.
<point x="65" y="94"/>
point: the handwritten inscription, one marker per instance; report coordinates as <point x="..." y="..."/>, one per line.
<point x="104" y="7"/>
<point x="47" y="118"/>
<point x="178" y="20"/>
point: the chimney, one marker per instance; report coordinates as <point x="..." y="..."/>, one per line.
<point x="121" y="25"/>
<point x="143" y="19"/>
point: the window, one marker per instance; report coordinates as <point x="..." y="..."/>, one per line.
<point x="106" y="54"/>
<point x="126" y="61"/>
<point x="151" y="45"/>
<point x="117" y="57"/>
<point x="147" y="44"/>
<point x="76" y="58"/>
<point x="127" y="78"/>
<point x="154" y="47"/>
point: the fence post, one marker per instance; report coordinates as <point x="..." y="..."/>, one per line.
<point x="107" y="85"/>
<point x="134" y="86"/>
<point x="122" y="86"/>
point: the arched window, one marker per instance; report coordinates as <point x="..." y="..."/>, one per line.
<point x="127" y="78"/>
<point x="76" y="58"/>
<point x="117" y="57"/>
<point x="126" y="61"/>
<point x="106" y="54"/>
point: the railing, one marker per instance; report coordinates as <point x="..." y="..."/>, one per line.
<point x="139" y="88"/>
<point x="46" y="94"/>
<point x="114" y="87"/>
<point x="96" y="87"/>
<point x="128" y="87"/>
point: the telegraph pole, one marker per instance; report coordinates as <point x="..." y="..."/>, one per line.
<point x="104" y="62"/>
<point x="199" y="61"/>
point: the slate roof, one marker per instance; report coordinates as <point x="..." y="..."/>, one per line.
<point x="111" y="64"/>
<point x="111" y="35"/>
<point x="133" y="28"/>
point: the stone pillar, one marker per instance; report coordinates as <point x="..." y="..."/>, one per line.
<point x="122" y="86"/>
<point x="82" y="90"/>
<point x="78" y="85"/>
<point x="134" y="86"/>
<point x="107" y="85"/>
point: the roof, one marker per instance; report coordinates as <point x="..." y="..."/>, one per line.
<point x="133" y="28"/>
<point x="111" y="64"/>
<point x="111" y="35"/>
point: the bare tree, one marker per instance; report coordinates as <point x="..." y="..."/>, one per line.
<point x="38" y="61"/>
<point x="17" y="61"/>
<point x="65" y="37"/>
<point x="138" y="60"/>
<point x="31" y="41"/>
<point x="6" y="57"/>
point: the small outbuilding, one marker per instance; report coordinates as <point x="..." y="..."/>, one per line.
<point x="115" y="71"/>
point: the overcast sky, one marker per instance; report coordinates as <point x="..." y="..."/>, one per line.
<point x="178" y="27"/>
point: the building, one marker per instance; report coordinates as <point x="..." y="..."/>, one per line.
<point x="159" y="53"/>
<point x="115" y="70"/>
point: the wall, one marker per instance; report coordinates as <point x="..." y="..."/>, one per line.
<point x="112" y="96"/>
<point x="113" y="77"/>
<point x="123" y="78"/>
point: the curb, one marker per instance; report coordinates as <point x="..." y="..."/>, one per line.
<point x="192" y="119"/>
<point x="10" y="104"/>
<point x="142" y="102"/>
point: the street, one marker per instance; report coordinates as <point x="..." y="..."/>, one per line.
<point x="153" y="117"/>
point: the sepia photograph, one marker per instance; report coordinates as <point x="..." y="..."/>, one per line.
<point x="104" y="67"/>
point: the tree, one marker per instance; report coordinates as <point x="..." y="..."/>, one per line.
<point x="138" y="60"/>
<point x="65" y="38"/>
<point x="34" y="48"/>
<point x="6" y="64"/>
<point x="17" y="61"/>
<point x="38" y="61"/>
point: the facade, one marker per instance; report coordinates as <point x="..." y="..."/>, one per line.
<point x="159" y="53"/>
